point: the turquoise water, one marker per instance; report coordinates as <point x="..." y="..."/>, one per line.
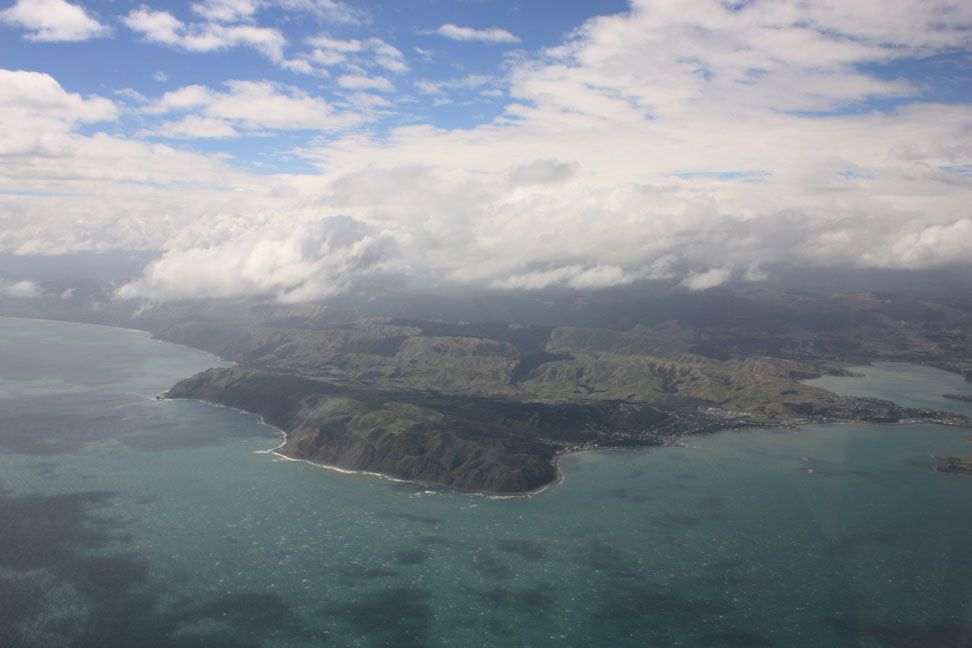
<point x="126" y="521"/>
<point x="905" y="384"/>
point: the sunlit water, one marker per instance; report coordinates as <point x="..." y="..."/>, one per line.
<point x="126" y="521"/>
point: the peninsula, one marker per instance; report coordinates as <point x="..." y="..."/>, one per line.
<point x="483" y="395"/>
<point x="488" y="406"/>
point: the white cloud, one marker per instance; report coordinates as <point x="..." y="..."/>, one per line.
<point x="542" y="172"/>
<point x="708" y="279"/>
<point x="308" y="261"/>
<point x="98" y="192"/>
<point x="601" y="170"/>
<point x="231" y="23"/>
<point x="229" y="11"/>
<point x="428" y="87"/>
<point x="19" y="290"/>
<point x="193" y="127"/>
<point x="578" y="277"/>
<point x="367" y="101"/>
<point x="246" y="106"/>
<point x="361" y="82"/>
<point x="155" y="26"/>
<point x="53" y="20"/>
<point x="160" y="76"/>
<point x="488" y="35"/>
<point x="355" y="54"/>
<point x="301" y="66"/>
<point x="755" y="273"/>
<point x="470" y="81"/>
<point x="328" y="10"/>
<point x="226" y="10"/>
<point x="132" y="95"/>
<point x="184" y="98"/>
<point x="37" y="113"/>
<point x="164" y="28"/>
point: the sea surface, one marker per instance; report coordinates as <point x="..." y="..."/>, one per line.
<point x="127" y="521"/>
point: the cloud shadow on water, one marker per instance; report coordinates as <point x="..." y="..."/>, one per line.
<point x="68" y="578"/>
<point x="946" y="634"/>
<point x="397" y="616"/>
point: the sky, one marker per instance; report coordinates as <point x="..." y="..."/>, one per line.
<point x="297" y="149"/>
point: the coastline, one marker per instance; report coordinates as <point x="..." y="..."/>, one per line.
<point x="274" y="451"/>
<point x="559" y="477"/>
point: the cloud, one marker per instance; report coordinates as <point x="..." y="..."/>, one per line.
<point x="354" y="54"/>
<point x="578" y="277"/>
<point x="38" y="116"/>
<point x="193" y="127"/>
<point x="723" y="156"/>
<point x="164" y="28"/>
<point x="226" y="10"/>
<point x="243" y="10"/>
<point x="62" y="191"/>
<point x="542" y="172"/>
<point x="361" y="82"/>
<point x="39" y="96"/>
<point x="488" y="35"/>
<point x="708" y="279"/>
<point x="132" y="95"/>
<point x="310" y="261"/>
<point x="470" y="81"/>
<point x="53" y="20"/>
<point x="19" y="290"/>
<point x="245" y="106"/>
<point x="328" y="10"/>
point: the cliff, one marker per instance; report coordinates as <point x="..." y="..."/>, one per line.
<point x="468" y="443"/>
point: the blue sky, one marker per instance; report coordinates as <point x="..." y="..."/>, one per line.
<point x="469" y="73"/>
<point x="444" y="82"/>
<point x="298" y="148"/>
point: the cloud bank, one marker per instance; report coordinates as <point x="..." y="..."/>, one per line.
<point x="690" y="140"/>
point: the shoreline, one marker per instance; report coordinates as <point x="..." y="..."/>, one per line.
<point x="555" y="462"/>
<point x="560" y="477"/>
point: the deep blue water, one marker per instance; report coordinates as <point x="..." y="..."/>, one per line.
<point x="126" y="521"/>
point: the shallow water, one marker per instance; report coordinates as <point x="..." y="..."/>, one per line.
<point x="128" y="521"/>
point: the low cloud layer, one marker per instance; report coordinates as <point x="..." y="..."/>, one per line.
<point x="310" y="261"/>
<point x="751" y="139"/>
<point x="19" y="289"/>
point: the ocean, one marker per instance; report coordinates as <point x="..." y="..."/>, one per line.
<point x="129" y="521"/>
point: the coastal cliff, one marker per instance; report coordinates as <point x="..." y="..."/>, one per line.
<point x="488" y="444"/>
<point x="468" y="443"/>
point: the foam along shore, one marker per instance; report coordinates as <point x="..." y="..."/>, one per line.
<point x="276" y="452"/>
